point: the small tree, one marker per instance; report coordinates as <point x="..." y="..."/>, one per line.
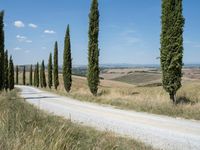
<point x="50" y="71"/>
<point x="36" y="76"/>
<point x="6" y="70"/>
<point x="172" y="46"/>
<point x="24" y="75"/>
<point x="11" y="74"/>
<point x="30" y="76"/>
<point x="93" y="49"/>
<point x="67" y="62"/>
<point x="17" y="74"/>
<point x="1" y="51"/>
<point x="55" y="68"/>
<point x="42" y="76"/>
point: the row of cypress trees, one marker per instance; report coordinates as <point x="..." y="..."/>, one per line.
<point x="39" y="78"/>
<point x="6" y="66"/>
<point x="93" y="57"/>
<point x="171" y="52"/>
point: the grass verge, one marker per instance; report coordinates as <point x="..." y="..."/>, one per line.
<point x="24" y="127"/>
<point x="153" y="99"/>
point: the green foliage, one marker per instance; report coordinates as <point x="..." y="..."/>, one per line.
<point x="55" y="68"/>
<point x="36" y="75"/>
<point x="6" y="69"/>
<point x="11" y="74"/>
<point x="93" y="50"/>
<point x="42" y="76"/>
<point x="1" y="50"/>
<point x="17" y="74"/>
<point x="30" y="75"/>
<point x="172" y="45"/>
<point x="24" y="75"/>
<point x="67" y="62"/>
<point x="50" y="71"/>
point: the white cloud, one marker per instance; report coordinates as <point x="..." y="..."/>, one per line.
<point x="32" y="25"/>
<point x="19" y="24"/>
<point x="17" y="48"/>
<point x="21" y="38"/>
<point x="49" y="32"/>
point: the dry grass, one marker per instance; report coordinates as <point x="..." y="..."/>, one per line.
<point x="151" y="99"/>
<point x="24" y="127"/>
<point x="148" y="99"/>
<point x="139" y="78"/>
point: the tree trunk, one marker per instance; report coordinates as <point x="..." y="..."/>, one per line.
<point x="173" y="98"/>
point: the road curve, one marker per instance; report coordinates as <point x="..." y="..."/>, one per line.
<point x="161" y="132"/>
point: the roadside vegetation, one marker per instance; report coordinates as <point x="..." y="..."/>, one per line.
<point x="147" y="98"/>
<point x="22" y="126"/>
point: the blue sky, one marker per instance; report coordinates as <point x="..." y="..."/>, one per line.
<point x="129" y="30"/>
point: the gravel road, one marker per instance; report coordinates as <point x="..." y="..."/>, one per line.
<point x="161" y="132"/>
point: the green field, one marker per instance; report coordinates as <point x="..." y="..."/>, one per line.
<point x="23" y="127"/>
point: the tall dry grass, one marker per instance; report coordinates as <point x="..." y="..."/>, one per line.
<point x="151" y="99"/>
<point x="23" y="127"/>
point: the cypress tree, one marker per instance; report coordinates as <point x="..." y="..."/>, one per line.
<point x="6" y="70"/>
<point x="17" y="74"/>
<point x="93" y="50"/>
<point x="37" y="75"/>
<point x="1" y="51"/>
<point x="172" y="46"/>
<point x="50" y="71"/>
<point x="55" y="68"/>
<point x="11" y="74"/>
<point x="30" y="76"/>
<point x="67" y="62"/>
<point x="42" y="76"/>
<point x="24" y="75"/>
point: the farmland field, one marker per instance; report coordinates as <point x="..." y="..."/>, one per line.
<point x="142" y="91"/>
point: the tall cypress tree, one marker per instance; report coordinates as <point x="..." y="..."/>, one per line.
<point x="42" y="76"/>
<point x="67" y="62"/>
<point x="172" y="46"/>
<point x="11" y="74"/>
<point x="30" y="75"/>
<point x="93" y="50"/>
<point x="17" y="74"/>
<point x="6" y="70"/>
<point x="37" y="75"/>
<point x="1" y="51"/>
<point x="24" y="75"/>
<point x="55" y="68"/>
<point x="50" y="71"/>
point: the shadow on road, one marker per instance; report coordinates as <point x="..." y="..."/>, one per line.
<point x="41" y="97"/>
